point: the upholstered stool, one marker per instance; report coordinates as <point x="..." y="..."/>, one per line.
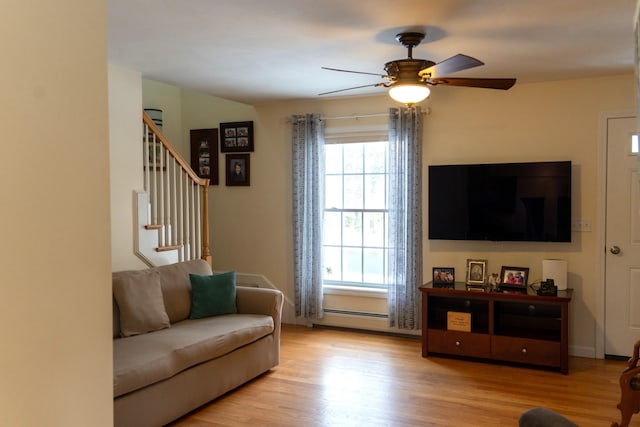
<point x="543" y="417"/>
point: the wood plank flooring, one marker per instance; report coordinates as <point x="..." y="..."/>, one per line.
<point x="342" y="378"/>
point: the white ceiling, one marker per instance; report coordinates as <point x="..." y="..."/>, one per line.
<point x="254" y="51"/>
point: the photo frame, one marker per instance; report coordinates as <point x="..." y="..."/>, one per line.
<point x="476" y="271"/>
<point x="238" y="169"/>
<point x="155" y="154"/>
<point x="514" y="277"/>
<point x="204" y="154"/>
<point x="444" y="276"/>
<point x="236" y="137"/>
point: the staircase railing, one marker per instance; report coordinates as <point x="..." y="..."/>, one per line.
<point x="178" y="198"/>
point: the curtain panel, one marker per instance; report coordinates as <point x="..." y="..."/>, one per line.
<point x="404" y="275"/>
<point x="308" y="208"/>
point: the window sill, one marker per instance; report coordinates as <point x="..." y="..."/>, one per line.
<point x="355" y="291"/>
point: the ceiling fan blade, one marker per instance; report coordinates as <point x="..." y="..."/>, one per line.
<point x="503" y="84"/>
<point x="351" y="88"/>
<point x="451" y="65"/>
<point x="355" y="72"/>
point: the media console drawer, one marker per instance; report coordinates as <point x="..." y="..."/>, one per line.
<point x="459" y="343"/>
<point x="525" y="350"/>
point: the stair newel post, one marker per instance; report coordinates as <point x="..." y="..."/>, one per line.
<point x="206" y="255"/>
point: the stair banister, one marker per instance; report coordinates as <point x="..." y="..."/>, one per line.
<point x="184" y="214"/>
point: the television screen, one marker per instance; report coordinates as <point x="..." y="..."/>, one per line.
<point x="529" y="202"/>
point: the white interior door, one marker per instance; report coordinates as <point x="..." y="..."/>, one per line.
<point x="622" y="259"/>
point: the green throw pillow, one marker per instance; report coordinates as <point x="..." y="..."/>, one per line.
<point x="213" y="295"/>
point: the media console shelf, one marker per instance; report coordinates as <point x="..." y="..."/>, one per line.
<point x="510" y="327"/>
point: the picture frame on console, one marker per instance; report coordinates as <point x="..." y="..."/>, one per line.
<point x="444" y="277"/>
<point x="514" y="277"/>
<point x="476" y="271"/>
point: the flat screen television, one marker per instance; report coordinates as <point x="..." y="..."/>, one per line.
<point x="523" y="202"/>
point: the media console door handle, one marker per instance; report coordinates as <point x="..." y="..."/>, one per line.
<point x="524" y="351"/>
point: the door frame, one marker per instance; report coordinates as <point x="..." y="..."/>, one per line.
<point x="601" y="238"/>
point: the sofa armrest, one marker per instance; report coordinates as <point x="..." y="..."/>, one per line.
<point x="260" y="301"/>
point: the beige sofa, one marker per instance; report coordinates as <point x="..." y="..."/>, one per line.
<point x="182" y="363"/>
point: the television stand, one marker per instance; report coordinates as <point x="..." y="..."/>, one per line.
<point x="521" y="328"/>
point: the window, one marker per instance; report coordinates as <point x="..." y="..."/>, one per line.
<point x="355" y="214"/>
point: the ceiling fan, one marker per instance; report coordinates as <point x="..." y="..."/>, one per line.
<point x="409" y="79"/>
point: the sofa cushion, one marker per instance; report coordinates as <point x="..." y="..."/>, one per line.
<point x="139" y="299"/>
<point x="213" y="295"/>
<point x="142" y="360"/>
<point x="176" y="288"/>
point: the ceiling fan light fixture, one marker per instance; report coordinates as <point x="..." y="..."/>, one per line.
<point x="409" y="93"/>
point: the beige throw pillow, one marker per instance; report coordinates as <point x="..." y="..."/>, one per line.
<point x="139" y="298"/>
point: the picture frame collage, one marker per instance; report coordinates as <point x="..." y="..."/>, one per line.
<point x="510" y="279"/>
<point x="236" y="140"/>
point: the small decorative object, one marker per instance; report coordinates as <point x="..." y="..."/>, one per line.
<point x="238" y="171"/>
<point x="443" y="277"/>
<point x="514" y="277"/>
<point x="493" y="281"/>
<point x="204" y="153"/>
<point x="236" y="137"/>
<point x="476" y="271"/>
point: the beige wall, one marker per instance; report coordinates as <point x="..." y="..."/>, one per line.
<point x="125" y="130"/>
<point x="55" y="310"/>
<point x="252" y="230"/>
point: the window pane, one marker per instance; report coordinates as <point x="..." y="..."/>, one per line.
<point x="352" y="229"/>
<point x="374" y="191"/>
<point x="373" y="223"/>
<point x="333" y="158"/>
<point x="333" y="192"/>
<point x="332" y="263"/>
<point x="353" y="192"/>
<point x="353" y="158"/>
<point x="352" y="262"/>
<point x="373" y="265"/>
<point x="332" y="229"/>
<point x="374" y="159"/>
<point x="354" y="239"/>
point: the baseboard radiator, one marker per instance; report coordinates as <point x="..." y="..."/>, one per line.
<point x="356" y="313"/>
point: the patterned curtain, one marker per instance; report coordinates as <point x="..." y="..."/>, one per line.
<point x="308" y="207"/>
<point x="405" y="217"/>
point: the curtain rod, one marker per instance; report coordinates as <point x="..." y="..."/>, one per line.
<point x="354" y="116"/>
<point x="424" y="111"/>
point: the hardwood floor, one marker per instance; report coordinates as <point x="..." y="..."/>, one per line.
<point x="342" y="378"/>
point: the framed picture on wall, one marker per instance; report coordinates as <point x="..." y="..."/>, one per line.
<point x="204" y="154"/>
<point x="236" y="137"/>
<point x="238" y="169"/>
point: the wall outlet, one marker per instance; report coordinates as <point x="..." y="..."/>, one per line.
<point x="583" y="225"/>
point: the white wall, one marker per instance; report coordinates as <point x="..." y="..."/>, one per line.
<point x="166" y="98"/>
<point x="125" y="136"/>
<point x="55" y="310"/>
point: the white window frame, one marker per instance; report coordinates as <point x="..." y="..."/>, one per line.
<point x="339" y="287"/>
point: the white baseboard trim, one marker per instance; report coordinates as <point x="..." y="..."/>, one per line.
<point x="588" y="352"/>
